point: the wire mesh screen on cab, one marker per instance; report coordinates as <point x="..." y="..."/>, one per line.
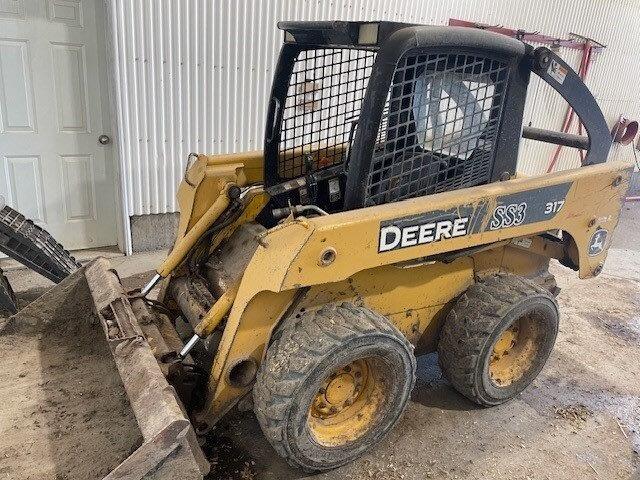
<point x="323" y="102"/>
<point x="439" y="126"/>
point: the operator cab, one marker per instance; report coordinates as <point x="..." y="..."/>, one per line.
<point x="364" y="113"/>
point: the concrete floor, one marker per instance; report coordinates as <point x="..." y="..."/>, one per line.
<point x="139" y="264"/>
<point x="579" y="419"/>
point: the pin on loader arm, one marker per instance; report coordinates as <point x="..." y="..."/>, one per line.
<point x="229" y="192"/>
<point x="384" y="246"/>
<point x="211" y="320"/>
<point x="210" y="185"/>
<point x="251" y="200"/>
<point x="305" y="253"/>
<point x="143" y="342"/>
<point x="195" y="227"/>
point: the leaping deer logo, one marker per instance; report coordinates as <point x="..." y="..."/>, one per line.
<point x="596" y="245"/>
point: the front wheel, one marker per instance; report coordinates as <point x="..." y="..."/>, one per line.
<point x="333" y="383"/>
<point x="497" y="338"/>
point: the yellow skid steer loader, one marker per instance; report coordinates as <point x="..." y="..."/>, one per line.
<point x="383" y="219"/>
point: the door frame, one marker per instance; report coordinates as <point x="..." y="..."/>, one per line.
<point x="107" y="78"/>
<point x="107" y="58"/>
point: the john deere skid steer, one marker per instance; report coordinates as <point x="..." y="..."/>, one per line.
<point x="384" y="219"/>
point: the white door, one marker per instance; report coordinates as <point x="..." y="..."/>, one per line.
<point x="53" y="167"/>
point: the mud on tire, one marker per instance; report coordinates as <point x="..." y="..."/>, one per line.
<point x="497" y="338"/>
<point x="313" y="350"/>
<point x="546" y="280"/>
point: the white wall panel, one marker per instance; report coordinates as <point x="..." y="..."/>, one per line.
<point x="12" y="9"/>
<point x="68" y="12"/>
<point x="194" y="75"/>
<point x="78" y="192"/>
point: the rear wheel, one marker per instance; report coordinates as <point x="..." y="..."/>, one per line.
<point x="497" y="338"/>
<point x="333" y="382"/>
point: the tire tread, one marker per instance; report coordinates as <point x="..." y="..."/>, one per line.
<point x="300" y="343"/>
<point x="471" y="321"/>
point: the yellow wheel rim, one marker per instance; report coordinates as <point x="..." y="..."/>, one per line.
<point x="347" y="403"/>
<point x="514" y="352"/>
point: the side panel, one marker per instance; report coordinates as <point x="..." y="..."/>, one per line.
<point x="292" y="257"/>
<point x="409" y="296"/>
<point x="581" y="202"/>
<point x="415" y="298"/>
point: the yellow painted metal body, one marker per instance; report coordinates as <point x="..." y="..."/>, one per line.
<point x="413" y="286"/>
<point x="202" y="197"/>
<point x="185" y="243"/>
<point x="219" y="309"/>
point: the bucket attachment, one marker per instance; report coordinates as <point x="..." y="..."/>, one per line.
<point x="68" y="313"/>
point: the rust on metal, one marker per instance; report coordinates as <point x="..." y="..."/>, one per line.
<point x="170" y="448"/>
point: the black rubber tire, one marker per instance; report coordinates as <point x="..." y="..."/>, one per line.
<point x="307" y="346"/>
<point x="8" y="302"/>
<point x="34" y="247"/>
<point x="475" y="323"/>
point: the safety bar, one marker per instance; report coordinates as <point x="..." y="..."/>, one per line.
<point x="557" y="138"/>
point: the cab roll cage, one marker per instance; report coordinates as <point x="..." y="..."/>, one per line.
<point x="391" y="41"/>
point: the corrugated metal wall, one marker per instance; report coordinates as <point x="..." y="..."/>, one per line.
<point x="194" y="75"/>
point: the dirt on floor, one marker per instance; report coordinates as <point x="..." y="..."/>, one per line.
<point x="64" y="414"/>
